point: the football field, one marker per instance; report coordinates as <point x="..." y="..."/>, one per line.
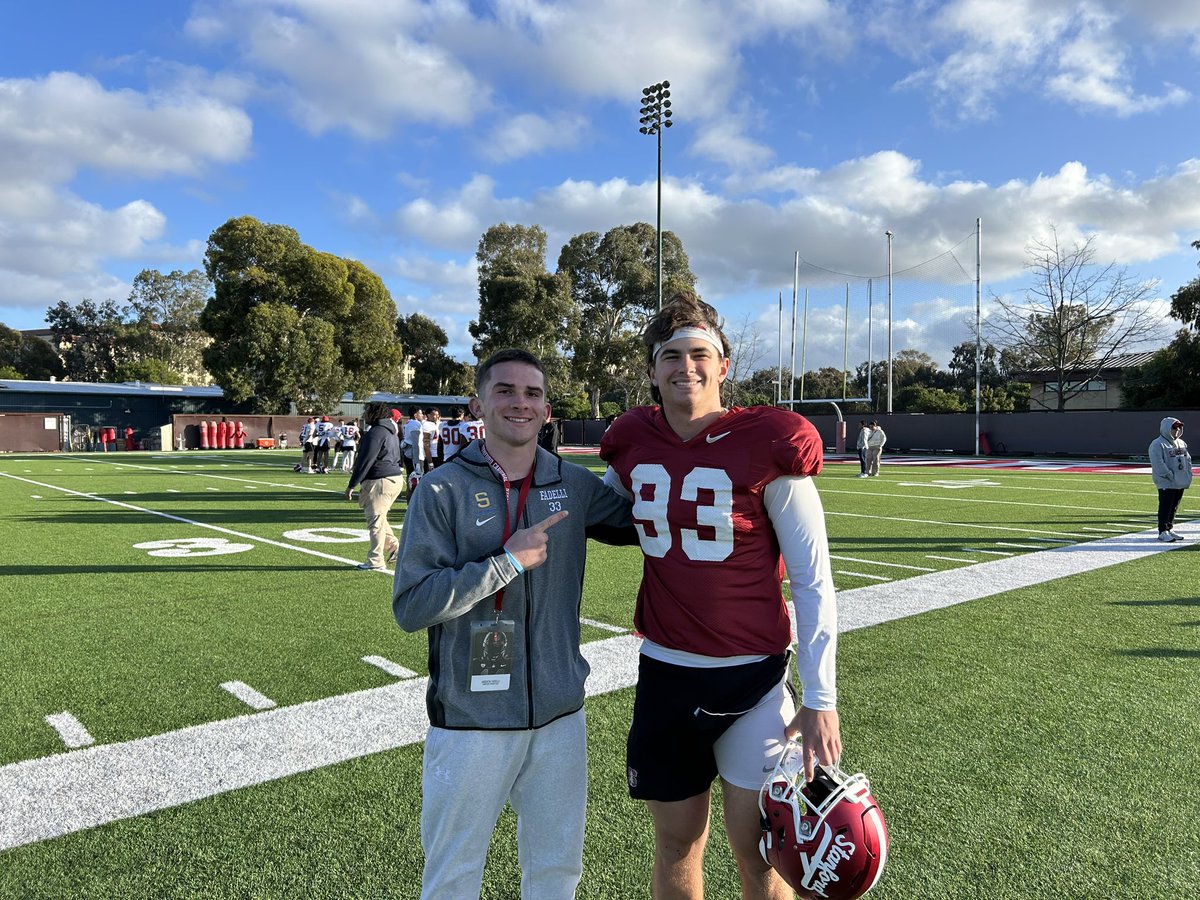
<point x="201" y="696"/>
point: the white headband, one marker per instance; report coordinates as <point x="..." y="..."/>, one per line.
<point x="697" y="332"/>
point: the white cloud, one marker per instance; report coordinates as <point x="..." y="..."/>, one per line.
<point x="363" y="66"/>
<point x="528" y="134"/>
<point x="51" y="126"/>
<point x="1076" y="52"/>
<point x="741" y="245"/>
<point x="1094" y="72"/>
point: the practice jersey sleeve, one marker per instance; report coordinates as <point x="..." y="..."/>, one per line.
<point x="798" y="518"/>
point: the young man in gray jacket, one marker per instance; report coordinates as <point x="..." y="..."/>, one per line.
<point x="491" y="563"/>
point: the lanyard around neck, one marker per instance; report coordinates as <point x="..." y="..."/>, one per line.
<point x="522" y="495"/>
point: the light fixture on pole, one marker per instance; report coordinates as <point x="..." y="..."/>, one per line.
<point x="656" y="115"/>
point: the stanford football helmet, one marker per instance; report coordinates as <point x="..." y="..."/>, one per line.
<point x="826" y="838"/>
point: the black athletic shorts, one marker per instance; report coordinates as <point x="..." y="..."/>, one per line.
<point x="679" y="713"/>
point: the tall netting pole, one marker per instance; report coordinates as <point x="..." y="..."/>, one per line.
<point x="779" y="347"/>
<point x="889" y="339"/>
<point x="978" y="326"/>
<point x="795" y="291"/>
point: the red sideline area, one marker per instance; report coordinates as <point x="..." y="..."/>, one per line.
<point x="1108" y="467"/>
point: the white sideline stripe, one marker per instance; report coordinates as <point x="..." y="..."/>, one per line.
<point x="991" y="552"/>
<point x="174" y="518"/>
<point x="879" y="603"/>
<point x="604" y="626"/>
<point x="1102" y="530"/>
<point x="1019" y="546"/>
<point x="862" y="575"/>
<point x="249" y="695"/>
<point x="876" y="562"/>
<point x="394" y="669"/>
<point x="71" y="730"/>
<point x="56" y="795"/>
<point x="949" y="558"/>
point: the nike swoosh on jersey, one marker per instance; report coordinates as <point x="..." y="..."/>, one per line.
<point x="484" y="521"/>
<point x="713" y="438"/>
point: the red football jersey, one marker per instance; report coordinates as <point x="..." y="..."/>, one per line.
<point x="712" y="575"/>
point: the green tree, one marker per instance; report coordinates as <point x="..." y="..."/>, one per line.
<point x="613" y="284"/>
<point x="152" y="370"/>
<point x="1185" y="302"/>
<point x="164" y="323"/>
<point x="88" y="335"/>
<point x="759" y="388"/>
<point x="1169" y="380"/>
<point x="434" y="370"/>
<point x="920" y="398"/>
<point x="1075" y="317"/>
<point x="826" y="383"/>
<point x="28" y="357"/>
<point x="522" y="305"/>
<point x="1172" y="376"/>
<point x="291" y="325"/>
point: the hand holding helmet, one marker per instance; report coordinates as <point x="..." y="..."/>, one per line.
<point x="826" y="838"/>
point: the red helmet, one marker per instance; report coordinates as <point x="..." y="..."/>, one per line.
<point x="827" y="838"/>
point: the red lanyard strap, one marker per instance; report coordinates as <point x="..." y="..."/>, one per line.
<point x="509" y="523"/>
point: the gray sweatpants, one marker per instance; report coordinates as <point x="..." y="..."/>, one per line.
<point x="469" y="775"/>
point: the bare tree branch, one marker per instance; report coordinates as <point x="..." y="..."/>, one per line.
<point x="1076" y="316"/>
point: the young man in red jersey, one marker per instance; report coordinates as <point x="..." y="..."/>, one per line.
<point x="722" y="498"/>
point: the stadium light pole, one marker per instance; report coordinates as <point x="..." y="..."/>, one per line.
<point x="656" y="115"/>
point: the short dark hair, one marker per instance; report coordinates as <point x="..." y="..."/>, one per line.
<point x="509" y="354"/>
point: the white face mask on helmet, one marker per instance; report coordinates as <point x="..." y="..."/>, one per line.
<point x="826" y="839"/>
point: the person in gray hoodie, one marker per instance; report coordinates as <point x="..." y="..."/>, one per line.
<point x="1171" y="468"/>
<point x="491" y="563"/>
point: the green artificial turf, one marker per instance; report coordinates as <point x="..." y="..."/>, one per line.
<point x="1038" y="743"/>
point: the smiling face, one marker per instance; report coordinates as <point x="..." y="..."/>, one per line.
<point x="512" y="404"/>
<point x="688" y="373"/>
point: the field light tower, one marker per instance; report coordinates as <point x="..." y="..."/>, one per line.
<point x="656" y="115"/>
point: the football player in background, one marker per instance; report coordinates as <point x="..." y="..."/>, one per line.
<point x="431" y="434"/>
<point x="449" y="435"/>
<point x="720" y="498"/>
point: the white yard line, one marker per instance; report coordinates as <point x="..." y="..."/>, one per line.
<point x="875" y="562"/>
<point x="949" y="497"/>
<point x="394" y="669"/>
<point x="249" y="695"/>
<point x="175" y="470"/>
<point x="71" y="730"/>
<point x="175" y="518"/>
<point x="1028" y="531"/>
<point x="862" y="575"/>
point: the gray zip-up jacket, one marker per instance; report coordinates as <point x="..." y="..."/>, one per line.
<point x="1170" y="462"/>
<point x="452" y="563"/>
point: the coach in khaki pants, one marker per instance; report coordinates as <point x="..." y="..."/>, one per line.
<point x="379" y="471"/>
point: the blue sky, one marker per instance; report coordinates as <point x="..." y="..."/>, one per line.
<point x="397" y="132"/>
